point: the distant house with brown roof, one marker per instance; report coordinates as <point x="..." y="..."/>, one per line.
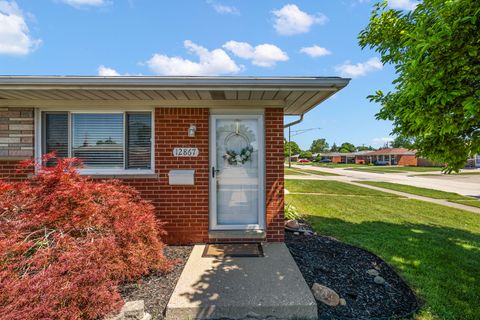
<point x="394" y="156"/>
<point x="387" y="156"/>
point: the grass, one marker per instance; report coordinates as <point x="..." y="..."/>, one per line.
<point x="297" y="171"/>
<point x="472" y="203"/>
<point x="436" y="248"/>
<point x="332" y="188"/>
<point x="464" y="173"/>
<point x="436" y="194"/>
<point x="338" y="165"/>
<point x="318" y="173"/>
<point x="395" y="169"/>
<point x="288" y="171"/>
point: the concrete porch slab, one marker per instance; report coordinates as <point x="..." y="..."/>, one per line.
<point x="237" y="288"/>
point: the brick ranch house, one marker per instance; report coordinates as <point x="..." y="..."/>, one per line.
<point x="386" y="156"/>
<point x="206" y="151"/>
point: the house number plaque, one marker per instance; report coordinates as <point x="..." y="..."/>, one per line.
<point x="185" y="152"/>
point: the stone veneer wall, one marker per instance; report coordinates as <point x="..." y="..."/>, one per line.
<point x="16" y="133"/>
<point x="16" y="140"/>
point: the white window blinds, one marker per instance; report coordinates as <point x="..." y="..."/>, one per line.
<point x="100" y="140"/>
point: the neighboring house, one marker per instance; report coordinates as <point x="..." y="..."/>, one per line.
<point x="207" y="151"/>
<point x="473" y="162"/>
<point x="338" y="157"/>
<point x="396" y="156"/>
<point x="387" y="156"/>
<point x="294" y="158"/>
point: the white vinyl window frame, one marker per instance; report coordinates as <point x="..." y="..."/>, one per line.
<point x="213" y="219"/>
<point x="96" y="171"/>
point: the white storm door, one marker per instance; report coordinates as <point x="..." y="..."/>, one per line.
<point x="237" y="166"/>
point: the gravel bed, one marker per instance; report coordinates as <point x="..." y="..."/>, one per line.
<point x="156" y="289"/>
<point x="343" y="268"/>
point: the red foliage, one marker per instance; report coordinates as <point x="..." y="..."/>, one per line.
<point x="66" y="242"/>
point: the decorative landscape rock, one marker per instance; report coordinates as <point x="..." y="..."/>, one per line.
<point x="373" y="272"/>
<point x="343" y="302"/>
<point x="292" y="224"/>
<point x="334" y="264"/>
<point x="379" y="280"/>
<point x="132" y="310"/>
<point x="325" y="295"/>
<point x="296" y="233"/>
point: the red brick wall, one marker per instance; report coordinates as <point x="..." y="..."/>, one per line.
<point x="185" y="209"/>
<point x="274" y="174"/>
<point x="406" y="160"/>
<point x="336" y="159"/>
<point x="8" y="170"/>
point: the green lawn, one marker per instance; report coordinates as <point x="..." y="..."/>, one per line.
<point x="473" y="203"/>
<point x="297" y="171"/>
<point x="436" y="248"/>
<point x="293" y="172"/>
<point x="464" y="173"/>
<point x="331" y="187"/>
<point x="395" y="169"/>
<point x="319" y="173"/>
<point x="338" y="165"/>
<point x="436" y="194"/>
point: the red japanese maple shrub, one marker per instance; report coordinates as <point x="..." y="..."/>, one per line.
<point x="67" y="242"/>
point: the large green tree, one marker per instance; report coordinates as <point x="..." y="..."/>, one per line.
<point x="347" y="147"/>
<point x="334" y="148"/>
<point x="295" y="148"/>
<point x="436" y="53"/>
<point x="319" y="145"/>
<point x="402" y="142"/>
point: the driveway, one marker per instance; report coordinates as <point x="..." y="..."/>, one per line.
<point x="467" y="185"/>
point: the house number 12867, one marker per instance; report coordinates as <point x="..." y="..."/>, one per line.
<point x="185" y="152"/>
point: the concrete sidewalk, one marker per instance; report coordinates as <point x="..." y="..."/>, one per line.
<point x="467" y="186"/>
<point x="351" y="180"/>
<point x="236" y="288"/>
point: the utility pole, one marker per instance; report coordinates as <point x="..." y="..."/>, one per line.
<point x="295" y="133"/>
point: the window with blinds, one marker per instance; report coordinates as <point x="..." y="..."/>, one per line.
<point x="138" y="151"/>
<point x="100" y="140"/>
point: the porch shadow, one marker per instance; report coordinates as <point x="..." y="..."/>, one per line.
<point x="235" y="288"/>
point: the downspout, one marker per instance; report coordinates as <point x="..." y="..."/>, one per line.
<point x="288" y="125"/>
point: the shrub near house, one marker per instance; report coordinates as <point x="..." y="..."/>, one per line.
<point x="66" y="242"/>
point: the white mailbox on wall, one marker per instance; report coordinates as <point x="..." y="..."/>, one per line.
<point x="181" y="177"/>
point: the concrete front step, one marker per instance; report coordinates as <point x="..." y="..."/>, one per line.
<point x="238" y="288"/>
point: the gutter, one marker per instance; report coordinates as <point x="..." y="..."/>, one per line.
<point x="288" y="125"/>
<point x="175" y="83"/>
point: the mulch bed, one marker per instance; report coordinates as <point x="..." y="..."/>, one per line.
<point x="343" y="267"/>
<point x="156" y="289"/>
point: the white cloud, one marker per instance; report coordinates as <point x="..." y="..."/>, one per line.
<point x="359" y="69"/>
<point x="291" y="20"/>
<point x="15" y="37"/>
<point x="87" y="3"/>
<point x="263" y="55"/>
<point x="223" y="9"/>
<point x="107" y="72"/>
<point x="315" y="51"/>
<point x="210" y="63"/>
<point x="403" y="4"/>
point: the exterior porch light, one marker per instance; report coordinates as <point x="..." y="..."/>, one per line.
<point x="191" y="130"/>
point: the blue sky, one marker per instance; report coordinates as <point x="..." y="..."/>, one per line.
<point x="224" y="37"/>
